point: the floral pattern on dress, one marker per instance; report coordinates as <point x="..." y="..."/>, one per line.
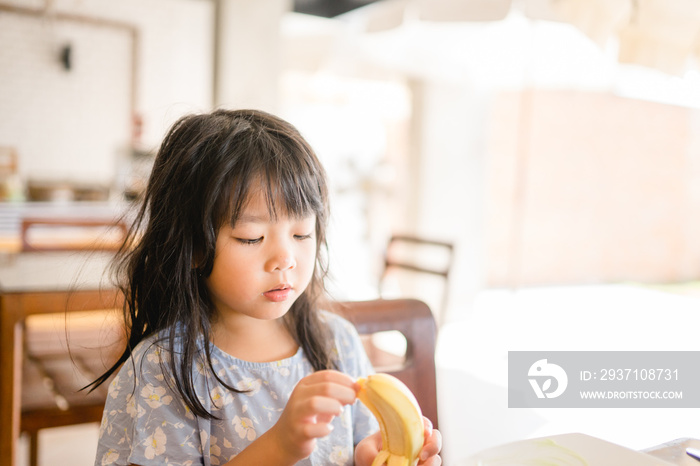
<point x="145" y="422"/>
<point x="339" y="455"/>
<point x="155" y="444"/>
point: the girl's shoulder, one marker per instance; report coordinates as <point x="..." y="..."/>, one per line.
<point x="154" y="357"/>
<point x="343" y="331"/>
<point x="156" y="347"/>
<point x="348" y="350"/>
<point x="337" y="323"/>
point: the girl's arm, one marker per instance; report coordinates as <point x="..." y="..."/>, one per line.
<point x="313" y="404"/>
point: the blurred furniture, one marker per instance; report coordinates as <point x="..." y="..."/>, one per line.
<point x="39" y="377"/>
<point x="65" y="191"/>
<point x="71" y="234"/>
<point x="422" y="256"/>
<point x="414" y="320"/>
<point x="51" y="376"/>
<point x="9" y="181"/>
<point x="51" y="395"/>
<point x="138" y="169"/>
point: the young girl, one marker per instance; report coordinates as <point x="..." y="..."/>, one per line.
<point x="229" y="359"/>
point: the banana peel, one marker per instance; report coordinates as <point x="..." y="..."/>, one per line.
<point x="399" y="416"/>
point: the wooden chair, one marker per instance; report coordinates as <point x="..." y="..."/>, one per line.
<point x="415" y="321"/>
<point x="422" y="256"/>
<point x="52" y="376"/>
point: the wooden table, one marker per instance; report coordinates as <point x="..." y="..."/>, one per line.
<point x="32" y="283"/>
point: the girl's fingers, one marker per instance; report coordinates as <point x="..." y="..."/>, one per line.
<point x="434" y="461"/>
<point x="331" y="377"/>
<point x="314" y="402"/>
<point x="368" y="448"/>
<point x="321" y="405"/>
<point x="428" y="426"/>
<point x="324" y="418"/>
<point x="317" y="430"/>
<point x="329" y="384"/>
<point x="433" y="444"/>
<point x="432" y="447"/>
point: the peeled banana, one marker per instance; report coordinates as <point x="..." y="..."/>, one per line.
<point x="399" y="416"/>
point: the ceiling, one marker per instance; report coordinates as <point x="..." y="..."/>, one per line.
<point x="328" y="8"/>
<point x="660" y="34"/>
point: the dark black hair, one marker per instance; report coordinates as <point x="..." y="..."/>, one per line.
<point x="200" y="181"/>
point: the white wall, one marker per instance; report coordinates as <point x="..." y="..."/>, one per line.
<point x="75" y="124"/>
<point x="249" y="55"/>
<point x="449" y="166"/>
<point x="64" y="123"/>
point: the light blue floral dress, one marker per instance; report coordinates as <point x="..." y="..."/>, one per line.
<point x="145" y="422"/>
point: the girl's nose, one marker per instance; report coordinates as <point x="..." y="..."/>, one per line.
<point x="282" y="260"/>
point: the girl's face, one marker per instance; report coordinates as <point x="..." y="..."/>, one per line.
<point x="262" y="266"/>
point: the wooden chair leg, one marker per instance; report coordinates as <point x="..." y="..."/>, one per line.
<point x="34" y="448"/>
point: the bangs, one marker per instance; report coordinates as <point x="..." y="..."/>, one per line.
<point x="286" y="173"/>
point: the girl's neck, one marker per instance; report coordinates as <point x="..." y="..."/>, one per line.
<point x="254" y="340"/>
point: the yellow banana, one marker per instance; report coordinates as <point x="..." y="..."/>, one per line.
<point x="399" y="416"/>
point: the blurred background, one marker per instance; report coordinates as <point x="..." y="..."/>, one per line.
<point x="544" y="153"/>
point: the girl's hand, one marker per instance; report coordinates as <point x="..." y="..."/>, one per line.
<point x="429" y="455"/>
<point x="313" y="404"/>
<point x="369" y="447"/>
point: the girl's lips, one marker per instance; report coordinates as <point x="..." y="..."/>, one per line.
<point x="278" y="294"/>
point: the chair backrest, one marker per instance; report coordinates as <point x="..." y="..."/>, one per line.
<point x="51" y="384"/>
<point x="39" y="383"/>
<point x="415" y="321"/>
<point x="423" y="256"/>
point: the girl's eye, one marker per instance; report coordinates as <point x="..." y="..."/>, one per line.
<point x="249" y="241"/>
<point x="300" y="237"/>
